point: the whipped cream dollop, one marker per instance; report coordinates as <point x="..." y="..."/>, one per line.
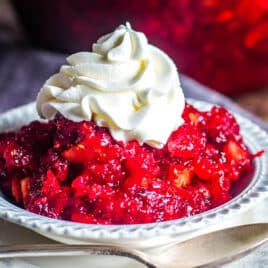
<point x="124" y="84"/>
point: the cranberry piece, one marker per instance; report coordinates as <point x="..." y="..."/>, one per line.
<point x="186" y="142"/>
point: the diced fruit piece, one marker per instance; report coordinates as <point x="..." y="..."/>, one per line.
<point x="234" y="152"/>
<point x="179" y="175"/>
<point x="193" y="118"/>
<point x="190" y="113"/>
<point x="78" y="154"/>
<point x="16" y="189"/>
<point x="24" y="184"/>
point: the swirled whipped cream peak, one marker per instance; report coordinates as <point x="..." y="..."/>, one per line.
<point x="124" y="84"/>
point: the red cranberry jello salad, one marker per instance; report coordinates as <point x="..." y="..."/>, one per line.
<point x="121" y="145"/>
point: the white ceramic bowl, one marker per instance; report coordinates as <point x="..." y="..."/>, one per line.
<point x="246" y="193"/>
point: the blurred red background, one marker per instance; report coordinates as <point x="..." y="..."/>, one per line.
<point x="223" y="44"/>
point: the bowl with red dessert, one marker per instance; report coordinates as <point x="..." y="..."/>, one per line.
<point x="120" y="157"/>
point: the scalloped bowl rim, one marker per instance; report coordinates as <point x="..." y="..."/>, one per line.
<point x="254" y="137"/>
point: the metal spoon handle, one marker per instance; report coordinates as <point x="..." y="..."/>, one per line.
<point x="44" y="250"/>
<point x="236" y="256"/>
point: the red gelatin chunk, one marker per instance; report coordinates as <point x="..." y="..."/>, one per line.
<point x="76" y="171"/>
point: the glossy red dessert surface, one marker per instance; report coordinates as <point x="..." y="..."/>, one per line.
<point x="76" y="171"/>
